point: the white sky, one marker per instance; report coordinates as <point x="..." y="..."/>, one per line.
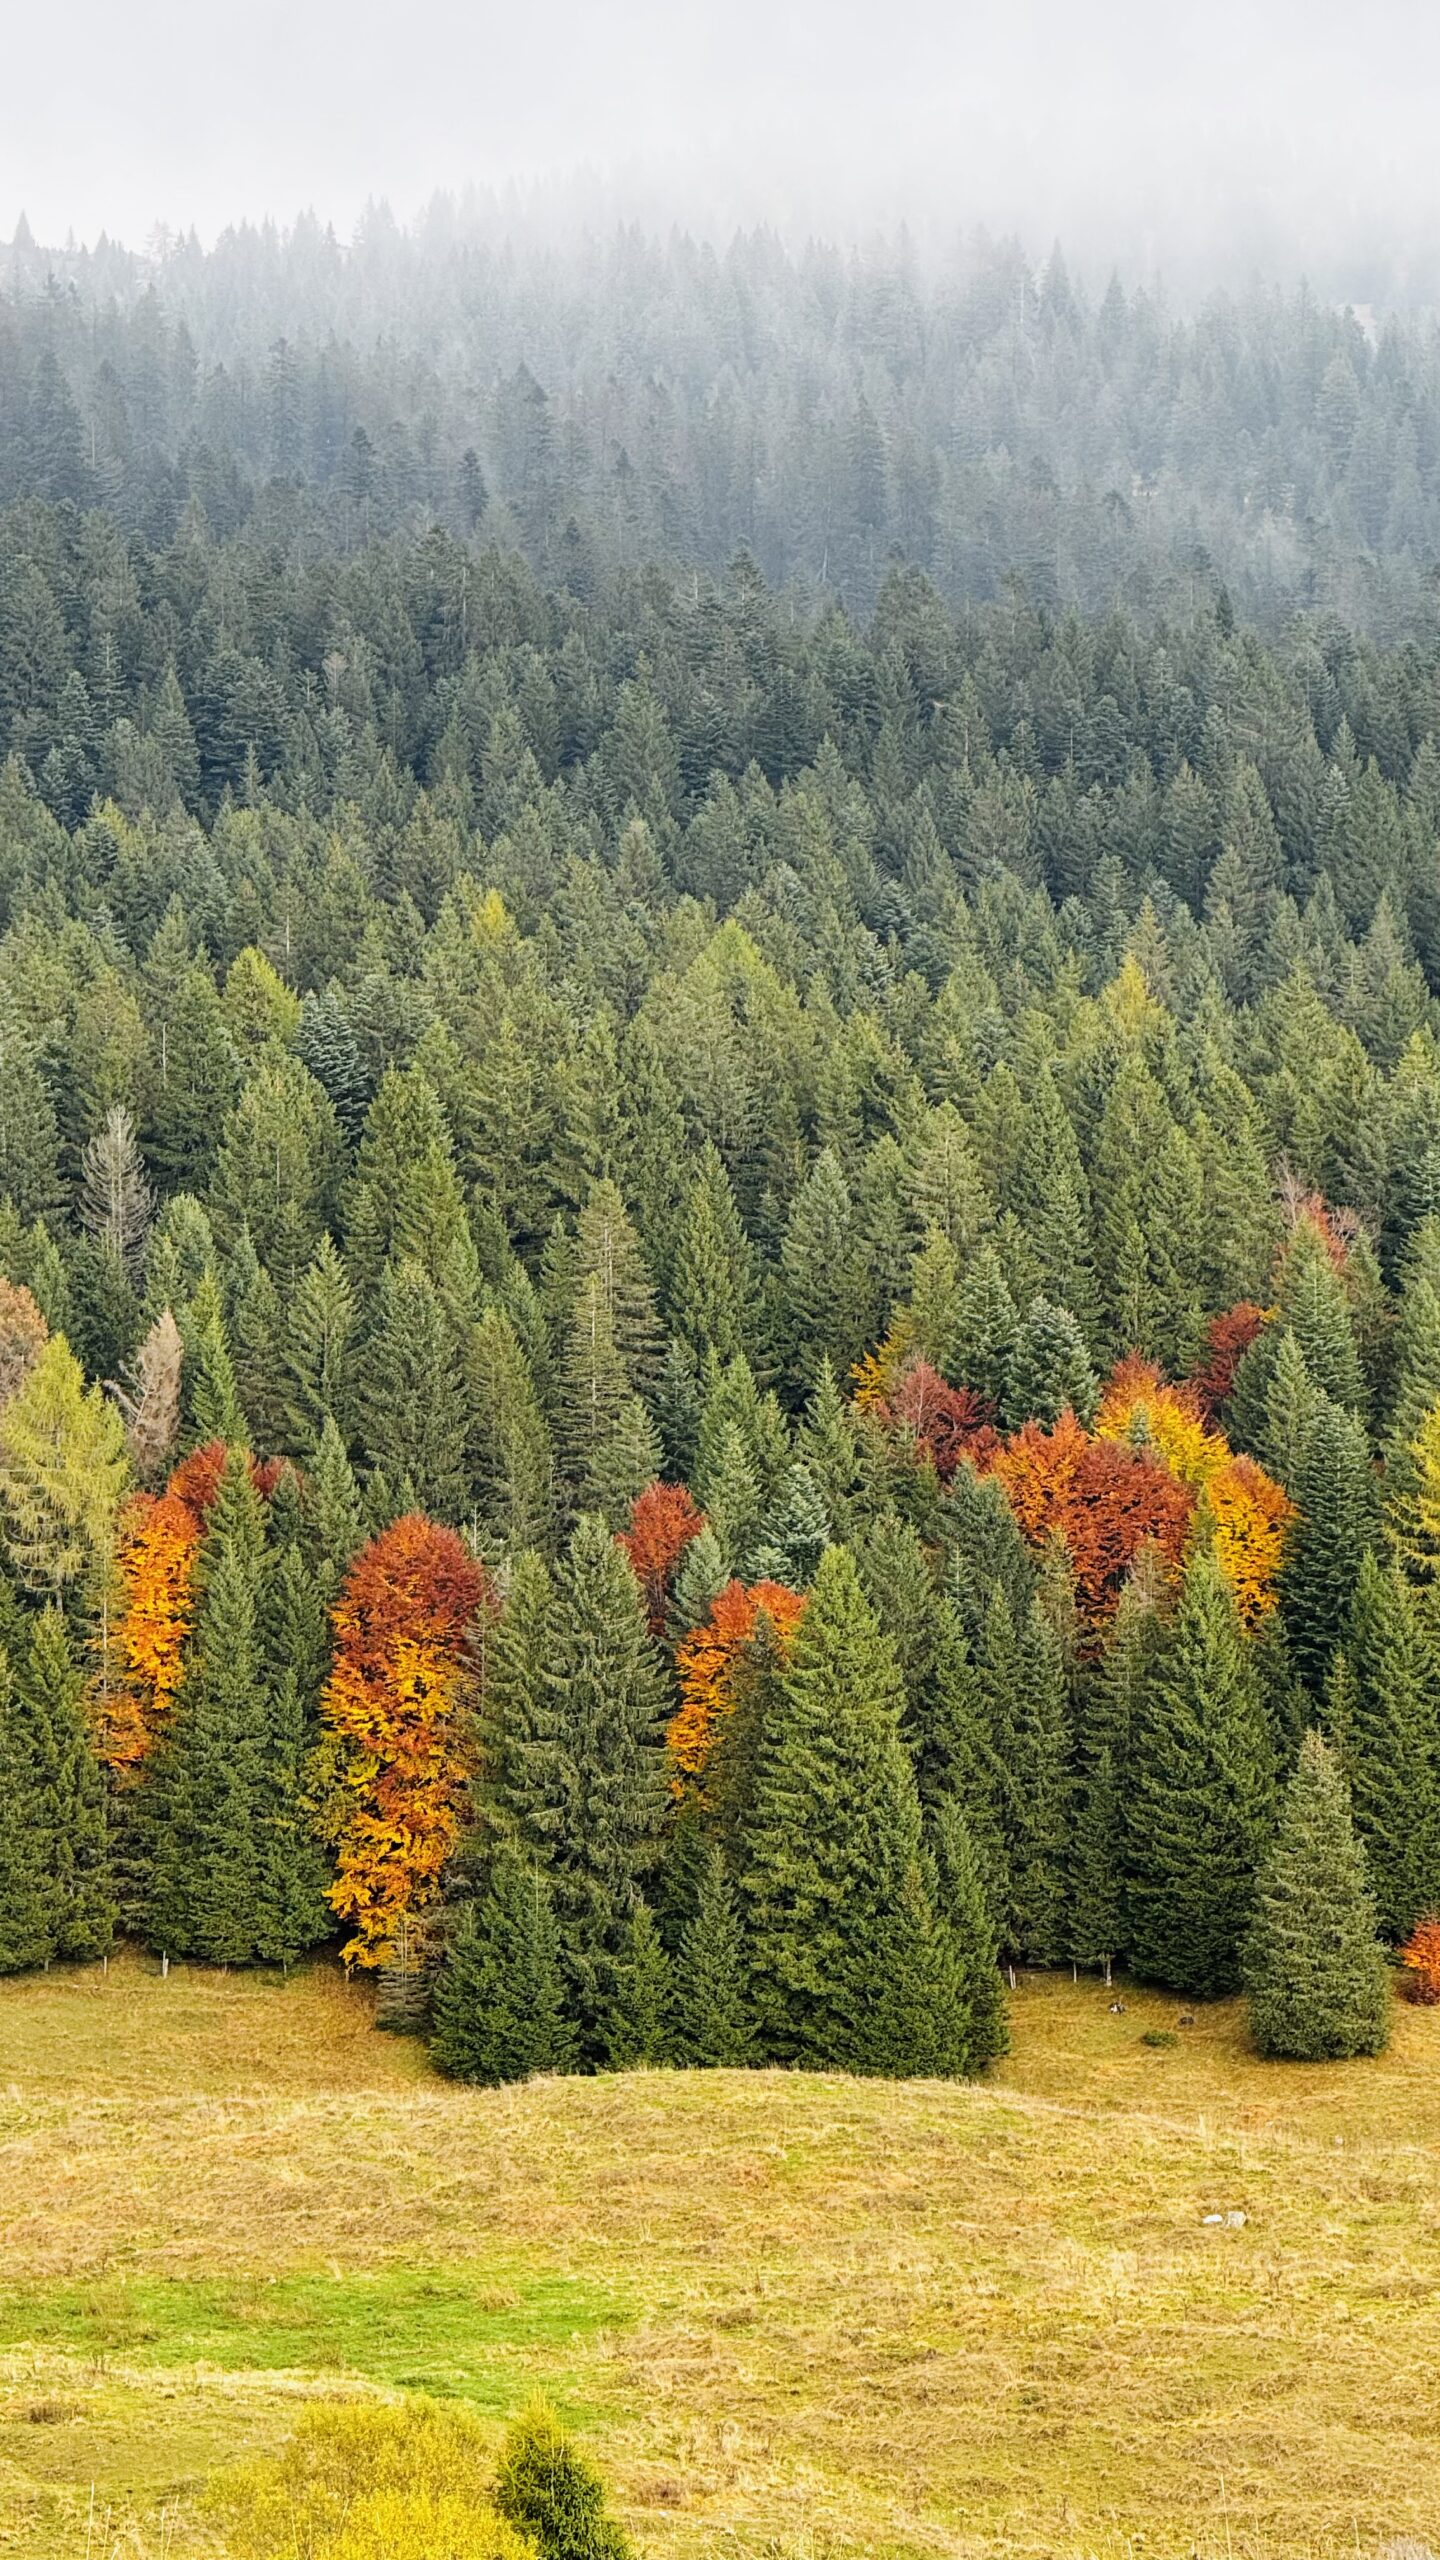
<point x="1115" y="122"/>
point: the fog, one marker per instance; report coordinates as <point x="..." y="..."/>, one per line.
<point x="1218" y="141"/>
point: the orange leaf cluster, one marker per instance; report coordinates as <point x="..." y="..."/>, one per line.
<point x="1420" y="1957"/>
<point x="23" y="1336"/>
<point x="196" y="1481"/>
<point x="1103" y="1499"/>
<point x="662" y="1525"/>
<point x="945" y="1423"/>
<point x="706" y="1658"/>
<point x="1251" y="1515"/>
<point x="1227" y="1339"/>
<point x="395" y="1701"/>
<point x="159" y="1541"/>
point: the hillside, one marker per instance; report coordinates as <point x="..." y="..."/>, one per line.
<point x="793" y="2314"/>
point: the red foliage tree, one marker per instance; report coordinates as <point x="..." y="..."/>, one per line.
<point x="946" y="1423"/>
<point x="1104" y="1500"/>
<point x="1227" y="1338"/>
<point x="662" y="1525"/>
<point x="196" y="1480"/>
<point x="394" y="1708"/>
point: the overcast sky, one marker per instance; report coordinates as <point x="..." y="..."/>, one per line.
<point x="1130" y="129"/>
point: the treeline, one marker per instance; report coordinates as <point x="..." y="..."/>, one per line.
<point x="709" y="1377"/>
<point x="635" y="400"/>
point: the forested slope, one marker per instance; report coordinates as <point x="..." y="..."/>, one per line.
<point x="717" y="1307"/>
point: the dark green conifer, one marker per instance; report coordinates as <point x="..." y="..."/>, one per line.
<point x="498" y="2004"/>
<point x="710" y="1981"/>
<point x="1334" y="1488"/>
<point x="550" y="2493"/>
<point x="1389" y="1746"/>
<point x="1200" y="1801"/>
<point x="1318" y="1983"/>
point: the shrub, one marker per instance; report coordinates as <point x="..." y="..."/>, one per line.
<point x="552" y="2493"/>
<point x="359" y="2482"/>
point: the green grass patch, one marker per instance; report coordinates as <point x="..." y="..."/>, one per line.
<point x="473" y="2332"/>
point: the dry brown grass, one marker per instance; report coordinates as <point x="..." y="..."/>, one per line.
<point x="847" y="2315"/>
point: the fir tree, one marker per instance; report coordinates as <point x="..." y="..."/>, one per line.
<point x="833" y="1857"/>
<point x="962" y="1903"/>
<point x="1334" y="1489"/>
<point x="1317" y="1980"/>
<point x="498" y="2004"/>
<point x="552" y="2496"/>
<point x="413" y="1403"/>
<point x="710" y="1977"/>
<point x="512" y="1466"/>
<point x="1389" y="1746"/>
<point x="639" y="2021"/>
<point x="1049" y="1368"/>
<point x="1200" y="1802"/>
<point x="986" y="1327"/>
<point x="27" y="1910"/>
<point x="793" y="1535"/>
<point x="69" y="1801"/>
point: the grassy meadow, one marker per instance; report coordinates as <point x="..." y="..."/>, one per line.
<point x="790" y="2315"/>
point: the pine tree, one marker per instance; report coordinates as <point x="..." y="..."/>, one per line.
<point x="27" y="1913"/>
<point x="1334" y="1489"/>
<point x="639" y="2027"/>
<point x="498" y="2005"/>
<point x="710" y="1976"/>
<point x="512" y="1466"/>
<point x="69" y="1804"/>
<point x="832" y="1857"/>
<point x="712" y="1289"/>
<point x="412" y="1400"/>
<point x="1049" y="1368"/>
<point x="584" y="1772"/>
<point x="986" y="1327"/>
<point x="962" y="1903"/>
<point x="1389" y="1746"/>
<point x="1200" y="1801"/>
<point x="824" y="1281"/>
<point x="1317" y="1980"/>
<point x="211" y="1784"/>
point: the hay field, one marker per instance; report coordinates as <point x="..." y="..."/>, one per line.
<point x="794" y="2316"/>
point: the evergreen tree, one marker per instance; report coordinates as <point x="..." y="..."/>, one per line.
<point x="27" y="1911"/>
<point x="1389" y="1746"/>
<point x="986" y="1327"/>
<point x="710" y="1977"/>
<point x="1334" y="1489"/>
<point x="962" y="1904"/>
<point x="832" y="1869"/>
<point x="498" y="2005"/>
<point x="712" y="1289"/>
<point x="1038" y="1793"/>
<point x="69" y="1797"/>
<point x="824" y="1280"/>
<point x="1317" y="1980"/>
<point x="413" y="1405"/>
<point x="211" y="1783"/>
<point x="511" y="1463"/>
<point x="1200" y="1801"/>
<point x="552" y="2496"/>
<point x="1049" y="1368"/>
<point x="638" y="2025"/>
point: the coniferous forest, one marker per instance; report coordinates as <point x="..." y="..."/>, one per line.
<point x="719" y="1142"/>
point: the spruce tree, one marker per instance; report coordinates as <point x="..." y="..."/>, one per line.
<point x="962" y="1903"/>
<point x="1200" y="1803"/>
<point x="639" y="2022"/>
<point x="712" y="1288"/>
<point x="832" y="1857"/>
<point x="211" y="1782"/>
<point x="1389" y="1746"/>
<point x="793" y="1536"/>
<point x="512" y="1465"/>
<point x="1316" y="1976"/>
<point x="1038" y="1794"/>
<point x="550" y="2493"/>
<point x="70" y="1798"/>
<point x="711" y="2006"/>
<point x="820" y="1259"/>
<point x="27" y="1909"/>
<point x="412" y="1399"/>
<point x="1049" y="1368"/>
<point x="498" y="2007"/>
<point x="1334" y="1489"/>
<point x="986" y="1327"/>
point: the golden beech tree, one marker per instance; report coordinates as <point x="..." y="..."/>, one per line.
<point x="706" y="1658"/>
<point x="401" y="1743"/>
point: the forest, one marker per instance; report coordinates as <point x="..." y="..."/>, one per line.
<point x="721" y="1282"/>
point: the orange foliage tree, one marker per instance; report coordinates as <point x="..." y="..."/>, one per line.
<point x="662" y="1525"/>
<point x="1420" y="1957"/>
<point x="23" y="1336"/>
<point x="196" y="1480"/>
<point x="394" y="1709"/>
<point x="159" y="1541"/>
<point x="945" y="1423"/>
<point x="1103" y="1499"/>
<point x="706" y="1658"/>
